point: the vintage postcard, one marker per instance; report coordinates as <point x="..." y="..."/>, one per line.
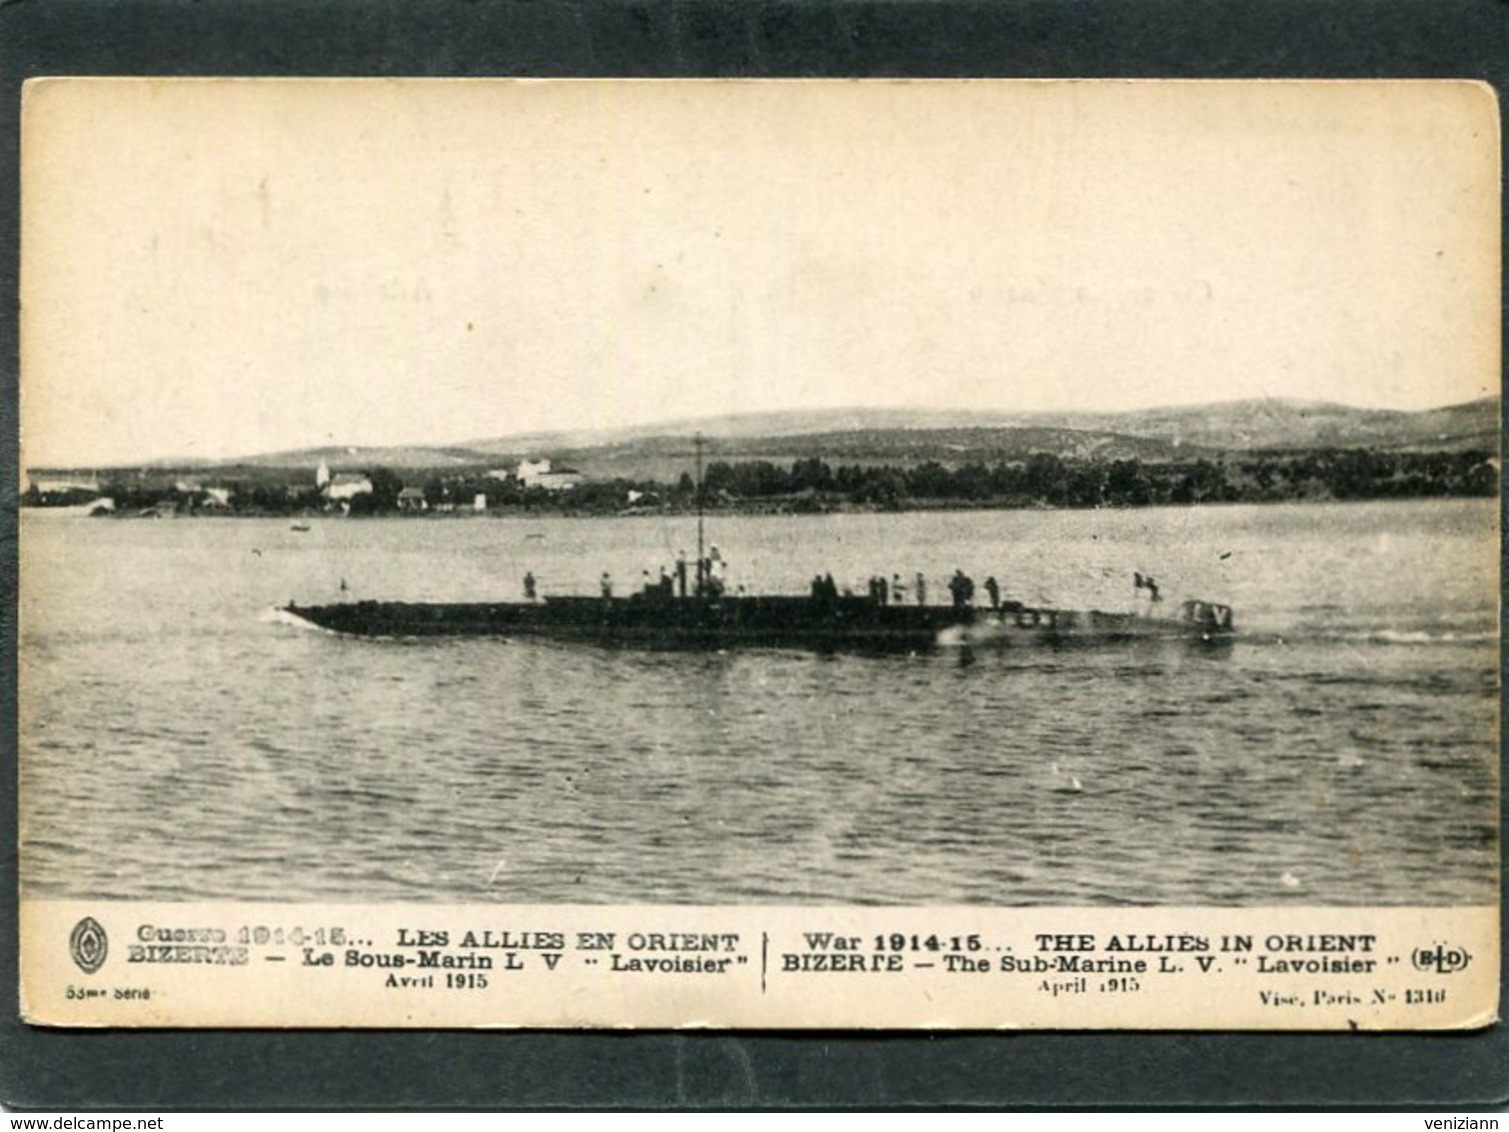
<point x="788" y="554"/>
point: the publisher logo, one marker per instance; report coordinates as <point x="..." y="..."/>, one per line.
<point x="88" y="945"/>
<point x="1441" y="960"/>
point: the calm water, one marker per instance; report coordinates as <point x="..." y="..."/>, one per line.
<point x="180" y="741"/>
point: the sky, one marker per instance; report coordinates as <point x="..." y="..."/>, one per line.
<point x="214" y="268"/>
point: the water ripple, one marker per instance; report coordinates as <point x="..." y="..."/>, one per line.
<point x="1342" y="751"/>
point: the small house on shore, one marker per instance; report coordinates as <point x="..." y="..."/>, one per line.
<point x="346" y="486"/>
<point x="61" y="484"/>
<point x="540" y="474"/>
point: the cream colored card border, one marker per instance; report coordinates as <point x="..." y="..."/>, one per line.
<point x="92" y="963"/>
<point x="127" y="964"/>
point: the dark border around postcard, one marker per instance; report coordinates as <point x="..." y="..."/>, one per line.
<point x="182" y="1070"/>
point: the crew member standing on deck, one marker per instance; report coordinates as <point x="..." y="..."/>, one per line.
<point x="681" y="573"/>
<point x="993" y="589"/>
<point x="962" y="587"/>
<point x="921" y="588"/>
<point x="529" y="586"/>
<point x="607" y="584"/>
<point x="1145" y="582"/>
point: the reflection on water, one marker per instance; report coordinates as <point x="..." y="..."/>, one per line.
<point x="180" y="741"/>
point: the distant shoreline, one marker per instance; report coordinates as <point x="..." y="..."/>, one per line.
<point x="805" y="486"/>
<point x="521" y="513"/>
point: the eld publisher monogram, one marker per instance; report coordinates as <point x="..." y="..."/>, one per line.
<point x="1441" y="959"/>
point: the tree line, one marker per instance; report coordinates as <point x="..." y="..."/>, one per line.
<point x="1046" y="479"/>
<point x="813" y="484"/>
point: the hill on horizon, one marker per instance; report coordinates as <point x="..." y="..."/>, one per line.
<point x="1223" y="426"/>
<point x="869" y="435"/>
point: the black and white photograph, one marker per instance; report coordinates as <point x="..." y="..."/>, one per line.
<point x="968" y="502"/>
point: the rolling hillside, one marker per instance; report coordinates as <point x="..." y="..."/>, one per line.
<point x="907" y="437"/>
<point x="874" y="436"/>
